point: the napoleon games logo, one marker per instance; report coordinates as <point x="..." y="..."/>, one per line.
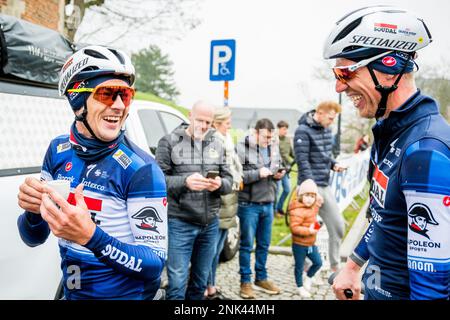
<point x="379" y="186"/>
<point x="421" y="216"/>
<point x="149" y="217"/>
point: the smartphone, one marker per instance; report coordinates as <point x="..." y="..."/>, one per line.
<point x="212" y="174"/>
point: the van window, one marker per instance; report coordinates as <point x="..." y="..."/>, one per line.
<point x="171" y="121"/>
<point x="153" y="127"/>
<point x="27" y="125"/>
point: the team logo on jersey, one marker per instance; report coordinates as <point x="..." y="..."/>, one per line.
<point x="68" y="166"/>
<point x="63" y="147"/>
<point x="164" y="201"/>
<point x="122" y="158"/>
<point x="421" y="216"/>
<point x="149" y="217"/>
<point x="446" y="201"/>
<point x="89" y="169"/>
<point x="379" y="186"/>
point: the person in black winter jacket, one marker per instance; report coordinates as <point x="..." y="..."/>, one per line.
<point x="313" y="154"/>
<point x="186" y="156"/>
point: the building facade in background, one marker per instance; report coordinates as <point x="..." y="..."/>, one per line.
<point x="47" y="13"/>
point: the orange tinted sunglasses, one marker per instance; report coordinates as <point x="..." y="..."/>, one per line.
<point x="346" y="73"/>
<point x="108" y="94"/>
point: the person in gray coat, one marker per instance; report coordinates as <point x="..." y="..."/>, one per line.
<point x="193" y="161"/>
<point x="313" y="153"/>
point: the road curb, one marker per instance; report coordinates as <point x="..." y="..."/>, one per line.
<point x="286" y="251"/>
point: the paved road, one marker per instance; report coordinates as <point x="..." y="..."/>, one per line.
<point x="280" y="268"/>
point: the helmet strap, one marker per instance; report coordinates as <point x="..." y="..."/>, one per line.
<point x="83" y="118"/>
<point x="385" y="91"/>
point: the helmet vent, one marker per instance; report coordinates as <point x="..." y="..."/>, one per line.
<point x="94" y="54"/>
<point x="426" y="29"/>
<point x="347" y="29"/>
<point x="119" y="56"/>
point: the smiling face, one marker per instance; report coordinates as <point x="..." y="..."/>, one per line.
<point x="360" y="89"/>
<point x="105" y="121"/>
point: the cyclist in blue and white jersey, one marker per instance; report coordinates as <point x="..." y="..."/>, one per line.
<point x="112" y="229"/>
<point x="407" y="244"/>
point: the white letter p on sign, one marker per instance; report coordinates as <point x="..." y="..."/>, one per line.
<point x="218" y="59"/>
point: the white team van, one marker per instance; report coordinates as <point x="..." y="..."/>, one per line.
<point x="30" y="117"/>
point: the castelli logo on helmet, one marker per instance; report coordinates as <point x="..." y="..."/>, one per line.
<point x="389" y="61"/>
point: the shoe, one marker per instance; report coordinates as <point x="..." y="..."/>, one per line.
<point x="267" y="286"/>
<point x="247" y="291"/>
<point x="303" y="292"/>
<point x="307" y="283"/>
<point x="218" y="295"/>
<point x="317" y="280"/>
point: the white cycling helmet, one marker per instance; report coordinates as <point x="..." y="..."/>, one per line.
<point x="93" y="61"/>
<point x="371" y="30"/>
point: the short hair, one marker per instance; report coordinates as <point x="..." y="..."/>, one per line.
<point x="328" y="106"/>
<point x="264" y="124"/>
<point x="221" y="114"/>
<point x="282" y="124"/>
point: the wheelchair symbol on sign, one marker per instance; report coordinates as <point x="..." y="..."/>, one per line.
<point x="223" y="70"/>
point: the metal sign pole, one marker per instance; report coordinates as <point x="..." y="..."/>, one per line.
<point x="225" y="93"/>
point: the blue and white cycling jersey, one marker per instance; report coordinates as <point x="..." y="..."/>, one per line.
<point x="407" y="244"/>
<point x="126" y="195"/>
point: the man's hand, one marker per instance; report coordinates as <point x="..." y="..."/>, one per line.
<point x="214" y="184"/>
<point x="264" y="172"/>
<point x="348" y="278"/>
<point x="197" y="182"/>
<point x="279" y="175"/>
<point x="69" y="222"/>
<point x="338" y="168"/>
<point x="30" y="195"/>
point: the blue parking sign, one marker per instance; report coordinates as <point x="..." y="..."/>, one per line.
<point x="222" y="60"/>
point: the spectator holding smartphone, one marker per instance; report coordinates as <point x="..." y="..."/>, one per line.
<point x="185" y="156"/>
<point x="259" y="157"/>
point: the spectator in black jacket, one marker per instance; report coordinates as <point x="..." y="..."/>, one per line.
<point x="186" y="156"/>
<point x="313" y="146"/>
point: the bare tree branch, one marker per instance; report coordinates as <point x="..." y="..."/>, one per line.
<point x="157" y="18"/>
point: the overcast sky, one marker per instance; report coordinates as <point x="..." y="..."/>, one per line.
<point x="277" y="45"/>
